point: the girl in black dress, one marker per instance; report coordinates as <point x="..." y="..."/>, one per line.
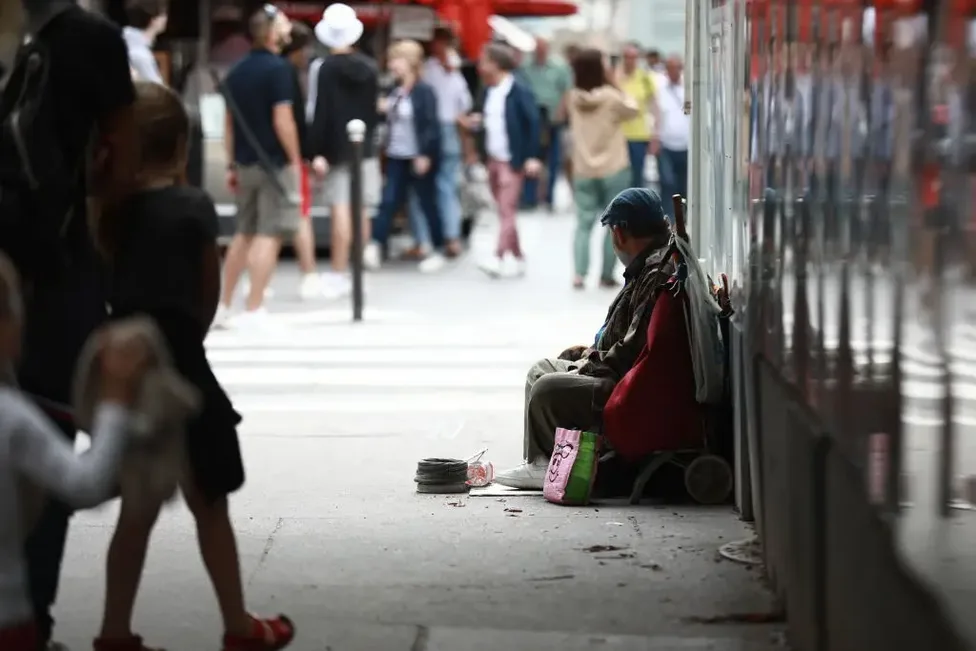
<point x="162" y="246"/>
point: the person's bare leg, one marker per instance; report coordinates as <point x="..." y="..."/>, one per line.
<point x="367" y="228"/>
<point x="261" y="263"/>
<point x="218" y="549"/>
<point x="341" y="237"/>
<point x="305" y="247"/>
<point x="123" y="570"/>
<point x="235" y="261"/>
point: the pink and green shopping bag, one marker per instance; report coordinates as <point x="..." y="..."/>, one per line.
<point x="572" y="468"/>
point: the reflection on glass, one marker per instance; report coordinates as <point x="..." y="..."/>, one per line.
<point x="848" y="223"/>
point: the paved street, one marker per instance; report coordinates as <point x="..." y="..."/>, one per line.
<point x="332" y="532"/>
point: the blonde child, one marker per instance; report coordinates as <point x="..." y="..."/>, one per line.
<point x="161" y="243"/>
<point x="34" y="454"/>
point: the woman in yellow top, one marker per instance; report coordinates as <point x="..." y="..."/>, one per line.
<point x="639" y="86"/>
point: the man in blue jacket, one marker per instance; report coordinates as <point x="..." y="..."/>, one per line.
<point x="510" y="120"/>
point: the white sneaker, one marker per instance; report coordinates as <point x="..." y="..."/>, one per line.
<point x="512" y="267"/>
<point x="432" y="263"/>
<point x="311" y="287"/>
<point x="372" y="258"/>
<point x="527" y="477"/>
<point x="491" y="266"/>
<point x="253" y="320"/>
<point x="335" y="286"/>
<point x="221" y="318"/>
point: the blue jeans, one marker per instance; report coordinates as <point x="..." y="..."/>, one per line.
<point x="44" y="551"/>
<point x="554" y="159"/>
<point x="672" y="168"/>
<point x="400" y="181"/>
<point x="637" y="152"/>
<point x="446" y="182"/>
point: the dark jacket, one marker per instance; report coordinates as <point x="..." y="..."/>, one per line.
<point x="624" y="333"/>
<point x="298" y="108"/>
<point x="425" y="121"/>
<point x="522" y="122"/>
<point x="347" y="89"/>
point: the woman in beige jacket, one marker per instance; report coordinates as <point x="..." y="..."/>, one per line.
<point x="596" y="107"/>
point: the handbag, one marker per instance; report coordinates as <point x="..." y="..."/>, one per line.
<point x="572" y="468"/>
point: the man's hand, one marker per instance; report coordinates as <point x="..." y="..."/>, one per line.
<point x="382" y="105"/>
<point x="123" y="361"/>
<point x="421" y="165"/>
<point x="533" y="167"/>
<point x="654" y="147"/>
<point x="320" y="166"/>
<point x="232" y="180"/>
<point x="573" y="353"/>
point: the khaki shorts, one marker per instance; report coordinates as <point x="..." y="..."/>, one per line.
<point x="261" y="208"/>
<point x="337" y="184"/>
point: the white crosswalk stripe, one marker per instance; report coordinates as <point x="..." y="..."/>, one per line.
<point x="401" y="365"/>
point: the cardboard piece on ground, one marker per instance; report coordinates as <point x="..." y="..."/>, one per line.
<point x="496" y="490"/>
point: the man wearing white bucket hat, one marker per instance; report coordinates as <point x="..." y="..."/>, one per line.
<point x="346" y="88"/>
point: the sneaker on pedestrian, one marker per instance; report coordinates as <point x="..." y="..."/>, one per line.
<point x="336" y="285"/>
<point x="530" y="476"/>
<point x="491" y="266"/>
<point x="432" y="263"/>
<point x="252" y="320"/>
<point x="512" y="267"/>
<point x="310" y="287"/>
<point x="221" y="318"/>
<point x="372" y="258"/>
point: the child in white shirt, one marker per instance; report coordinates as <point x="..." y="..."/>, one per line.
<point x="33" y="453"/>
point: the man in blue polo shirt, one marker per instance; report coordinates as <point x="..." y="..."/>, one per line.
<point x="261" y="140"/>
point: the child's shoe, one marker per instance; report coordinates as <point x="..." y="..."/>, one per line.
<point x="133" y="643"/>
<point x="267" y="635"/>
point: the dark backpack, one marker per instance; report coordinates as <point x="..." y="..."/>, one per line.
<point x="38" y="185"/>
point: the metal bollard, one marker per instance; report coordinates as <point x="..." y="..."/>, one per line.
<point x="357" y="133"/>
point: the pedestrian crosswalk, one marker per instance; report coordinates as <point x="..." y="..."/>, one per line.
<point x="402" y="365"/>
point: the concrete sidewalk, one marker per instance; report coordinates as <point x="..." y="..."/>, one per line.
<point x="362" y="563"/>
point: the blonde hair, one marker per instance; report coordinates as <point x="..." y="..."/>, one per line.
<point x="410" y="51"/>
<point x="162" y="129"/>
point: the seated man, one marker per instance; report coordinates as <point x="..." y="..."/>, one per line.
<point x="564" y="393"/>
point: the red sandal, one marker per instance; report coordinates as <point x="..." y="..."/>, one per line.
<point x="133" y="643"/>
<point x="266" y="635"/>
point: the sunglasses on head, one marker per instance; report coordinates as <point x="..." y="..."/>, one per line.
<point x="270" y="11"/>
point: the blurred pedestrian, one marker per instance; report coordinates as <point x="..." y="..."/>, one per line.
<point x="639" y="86"/>
<point x="88" y="90"/>
<point x="37" y="462"/>
<point x="346" y="88"/>
<point x="510" y="122"/>
<point x="671" y="134"/>
<point x="296" y="52"/>
<point x="162" y="244"/>
<point x="549" y="81"/>
<point x="261" y="139"/>
<point x="413" y="149"/>
<point x="597" y="110"/>
<point x="442" y="72"/>
<point x="147" y="20"/>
